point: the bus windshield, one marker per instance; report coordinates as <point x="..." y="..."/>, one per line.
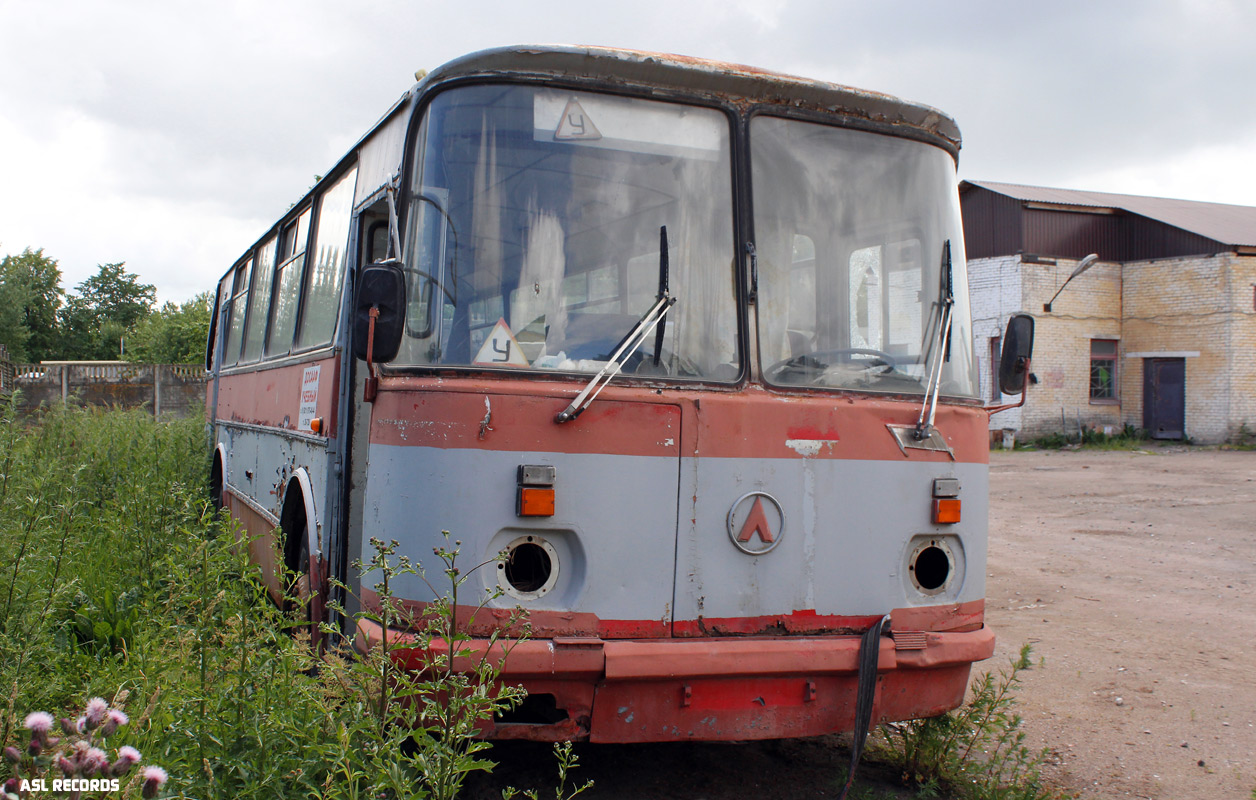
<point x="534" y="233"/>
<point x="856" y="234"/>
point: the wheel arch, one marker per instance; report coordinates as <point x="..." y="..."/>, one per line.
<point x="298" y="504"/>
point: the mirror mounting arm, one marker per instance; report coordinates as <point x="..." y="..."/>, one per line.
<point x="992" y="410"/>
<point x="371" y="388"/>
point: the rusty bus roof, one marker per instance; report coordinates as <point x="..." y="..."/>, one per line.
<point x="732" y="82"/>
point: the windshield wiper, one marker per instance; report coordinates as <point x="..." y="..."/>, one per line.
<point x="924" y="427"/>
<point x="629" y="344"/>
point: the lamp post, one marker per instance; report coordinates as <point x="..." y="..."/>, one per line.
<point x="1085" y="264"/>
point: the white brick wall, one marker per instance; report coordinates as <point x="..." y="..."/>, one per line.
<point x="994" y="286"/>
<point x="1203" y="304"/>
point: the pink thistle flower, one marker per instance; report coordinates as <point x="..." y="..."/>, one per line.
<point x="65" y="765"/>
<point x="80" y="725"/>
<point x="127" y="757"/>
<point x="112" y="720"/>
<point x="95" y="713"/>
<point x="12" y="754"/>
<point x="154" y="778"/>
<point x="95" y="761"/>
<point x="69" y="726"/>
<point x="38" y="723"/>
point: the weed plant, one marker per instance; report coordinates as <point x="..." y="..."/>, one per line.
<point x="1128" y="438"/>
<point x="977" y="752"/>
<point x="118" y="580"/>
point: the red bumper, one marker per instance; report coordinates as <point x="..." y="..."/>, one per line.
<point x="725" y="689"/>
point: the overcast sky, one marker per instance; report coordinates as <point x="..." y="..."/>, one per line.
<point x="171" y="134"/>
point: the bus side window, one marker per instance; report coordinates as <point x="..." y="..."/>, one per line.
<point x="235" y="322"/>
<point x="221" y="298"/>
<point x="259" y="301"/>
<point x="376" y="242"/>
<point x="326" y="276"/>
<point x="283" y="306"/>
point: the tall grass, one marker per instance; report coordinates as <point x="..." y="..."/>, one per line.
<point x="118" y="581"/>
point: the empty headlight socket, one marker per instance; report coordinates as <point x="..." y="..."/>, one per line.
<point x="535" y="495"/>
<point x="946" y="504"/>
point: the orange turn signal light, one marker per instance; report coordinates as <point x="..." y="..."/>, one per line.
<point x="536" y="501"/>
<point x="316" y="425"/>
<point x="945" y="510"/>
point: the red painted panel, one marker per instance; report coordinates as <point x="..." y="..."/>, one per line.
<point x="543" y="623"/>
<point x="765" y="708"/>
<point x="455" y="415"/>
<point x="271" y="396"/>
<point x="721" y="423"/>
<point x="262" y="543"/>
<point x="955" y="617"/>
<point x="723" y="689"/>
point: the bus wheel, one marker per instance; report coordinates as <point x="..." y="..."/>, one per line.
<point x="299" y="602"/>
<point x="215" y="483"/>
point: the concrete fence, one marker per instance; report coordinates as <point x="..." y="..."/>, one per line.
<point x="165" y="389"/>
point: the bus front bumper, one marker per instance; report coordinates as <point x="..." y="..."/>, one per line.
<point x="713" y="689"/>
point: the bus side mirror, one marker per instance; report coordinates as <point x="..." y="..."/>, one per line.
<point x="381" y="298"/>
<point x="1018" y="347"/>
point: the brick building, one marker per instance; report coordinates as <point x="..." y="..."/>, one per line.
<point x="1159" y="333"/>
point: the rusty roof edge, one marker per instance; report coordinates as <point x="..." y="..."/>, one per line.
<point x="646" y="69"/>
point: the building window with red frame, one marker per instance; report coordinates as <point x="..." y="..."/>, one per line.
<point x="1103" y="353"/>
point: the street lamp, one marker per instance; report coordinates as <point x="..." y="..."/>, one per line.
<point x="1085" y="264"/>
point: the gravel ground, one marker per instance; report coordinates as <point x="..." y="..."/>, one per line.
<point x="1132" y="574"/>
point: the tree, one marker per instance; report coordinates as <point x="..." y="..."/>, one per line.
<point x="30" y="288"/>
<point x="13" y="333"/>
<point x="102" y="310"/>
<point x="174" y="334"/>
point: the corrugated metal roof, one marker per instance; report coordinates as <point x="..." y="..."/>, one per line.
<point x="1230" y="225"/>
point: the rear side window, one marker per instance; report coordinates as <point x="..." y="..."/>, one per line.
<point x="236" y="312"/>
<point x="326" y="277"/>
<point x="283" y="308"/>
<point x="259" y="301"/>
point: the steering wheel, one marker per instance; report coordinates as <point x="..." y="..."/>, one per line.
<point x="826" y="358"/>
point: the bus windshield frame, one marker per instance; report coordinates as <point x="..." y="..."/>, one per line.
<point x="534" y="228"/>
<point x="859" y="246"/>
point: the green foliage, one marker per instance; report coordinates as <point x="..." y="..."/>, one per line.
<point x="30" y="300"/>
<point x="567" y="761"/>
<point x="977" y="752"/>
<point x="106" y="624"/>
<point x="1243" y="439"/>
<point x="117" y="580"/>
<point x="426" y="716"/>
<point x="173" y="334"/>
<point x="108" y="316"/>
<point x="1129" y="438"/>
<point x="99" y="316"/>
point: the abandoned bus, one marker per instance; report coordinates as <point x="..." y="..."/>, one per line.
<point x="688" y="342"/>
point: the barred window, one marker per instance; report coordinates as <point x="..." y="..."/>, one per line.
<point x="1103" y="369"/>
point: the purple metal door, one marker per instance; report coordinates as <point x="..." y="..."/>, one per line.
<point x="1164" y="397"/>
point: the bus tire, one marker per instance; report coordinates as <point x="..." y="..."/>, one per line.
<point x="216" y="482"/>
<point x="294" y="524"/>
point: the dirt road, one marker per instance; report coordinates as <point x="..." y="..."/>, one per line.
<point x="1134" y="576"/>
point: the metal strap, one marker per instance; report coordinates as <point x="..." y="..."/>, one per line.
<point x="869" y="650"/>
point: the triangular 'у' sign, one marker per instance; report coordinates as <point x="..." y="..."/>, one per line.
<point x="575" y="123"/>
<point x="501" y="349"/>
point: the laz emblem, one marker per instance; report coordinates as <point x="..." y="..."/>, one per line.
<point x="756" y="523"/>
